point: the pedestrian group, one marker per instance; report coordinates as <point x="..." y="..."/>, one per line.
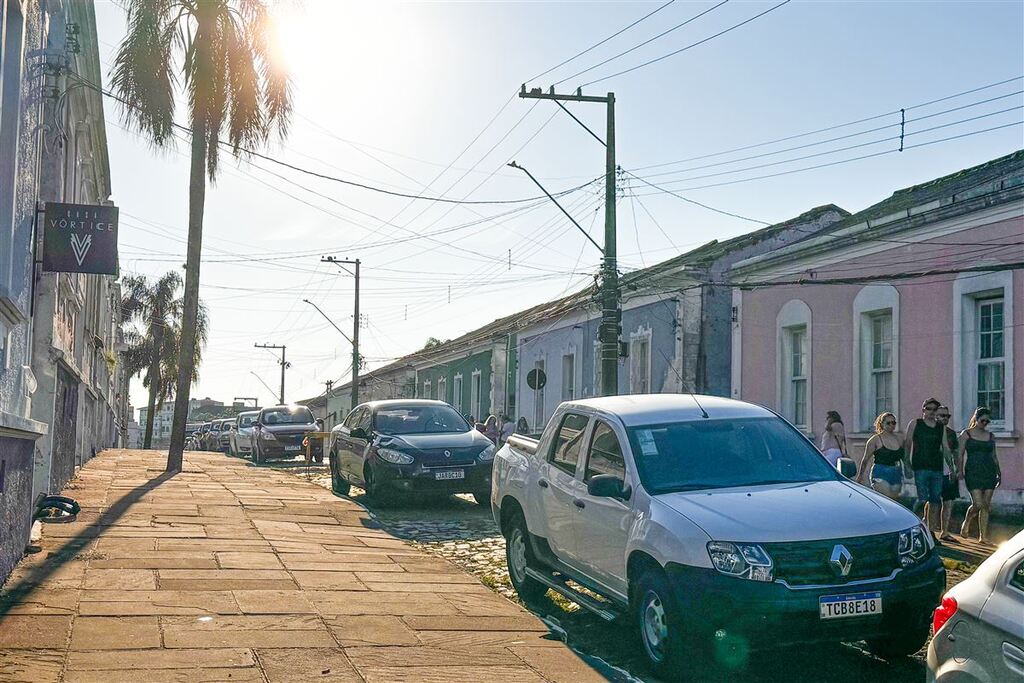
<point x="937" y="458"/>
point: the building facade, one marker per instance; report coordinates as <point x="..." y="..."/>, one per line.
<point x="920" y="295"/>
<point x="161" y="423"/>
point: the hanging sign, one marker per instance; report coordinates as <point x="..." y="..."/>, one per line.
<point x="80" y="238"/>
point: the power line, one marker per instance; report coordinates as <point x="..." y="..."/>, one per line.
<point x="646" y="42"/>
<point x="693" y="201"/>
<point x="601" y="42"/>
<point x="832" y="127"/>
<point x="691" y="45"/>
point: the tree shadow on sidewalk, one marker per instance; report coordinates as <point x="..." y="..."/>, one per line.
<point x="73" y="546"/>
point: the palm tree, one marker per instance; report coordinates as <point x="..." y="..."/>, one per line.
<point x="154" y="350"/>
<point x="219" y="52"/>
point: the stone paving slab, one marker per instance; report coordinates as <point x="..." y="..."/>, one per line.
<point x="227" y="572"/>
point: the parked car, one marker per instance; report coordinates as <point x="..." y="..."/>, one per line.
<point x="280" y="430"/>
<point x="213" y="436"/>
<point x="415" y="446"/>
<point x="224" y="439"/>
<point x="715" y="526"/>
<point x="979" y="626"/>
<point x="241" y="433"/>
<point x="202" y="436"/>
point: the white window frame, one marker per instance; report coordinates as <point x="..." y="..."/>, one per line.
<point x="968" y="289"/>
<point x="476" y="402"/>
<point x="457" y="392"/>
<point x="640" y="372"/>
<point x="426" y="388"/>
<point x="871" y="302"/>
<point x="795" y="315"/>
<point x="442" y="389"/>
<point x="539" y="418"/>
<point x="569" y="387"/>
<point x="597" y="368"/>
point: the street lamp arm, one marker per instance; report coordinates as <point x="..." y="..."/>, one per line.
<point x="328" y="320"/>
<point x="513" y="164"/>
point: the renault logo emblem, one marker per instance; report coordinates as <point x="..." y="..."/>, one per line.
<point x="447" y="454"/>
<point x="841" y="560"/>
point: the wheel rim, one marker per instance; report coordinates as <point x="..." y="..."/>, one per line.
<point x="517" y="556"/>
<point x="654" y="627"/>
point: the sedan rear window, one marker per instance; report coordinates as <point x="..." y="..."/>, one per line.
<point x="284" y="416"/>
<point x="706" y="454"/>
<point x="419" y="419"/>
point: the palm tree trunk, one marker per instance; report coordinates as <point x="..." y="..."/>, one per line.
<point x="154" y="384"/>
<point x="186" y="356"/>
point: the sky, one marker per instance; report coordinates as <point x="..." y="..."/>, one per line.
<point x="420" y="98"/>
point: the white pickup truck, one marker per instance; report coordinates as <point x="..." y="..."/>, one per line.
<point x="715" y="526"/>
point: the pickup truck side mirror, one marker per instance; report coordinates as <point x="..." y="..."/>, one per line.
<point x="358" y="433"/>
<point x="607" y="486"/>
<point x="847" y="467"/>
<point x="320" y="423"/>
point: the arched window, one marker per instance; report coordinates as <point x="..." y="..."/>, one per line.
<point x="876" y="324"/>
<point x="793" y="362"/>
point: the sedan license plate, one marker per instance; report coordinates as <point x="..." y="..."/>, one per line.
<point x="450" y="474"/>
<point x="851" y="605"/>
<point x="292" y="448"/>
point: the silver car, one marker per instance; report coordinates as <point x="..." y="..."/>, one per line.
<point x="241" y="433"/>
<point x="979" y="627"/>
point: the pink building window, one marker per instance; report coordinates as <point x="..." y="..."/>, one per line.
<point x="881" y="362"/>
<point x="798" y="374"/>
<point x="991" y="361"/>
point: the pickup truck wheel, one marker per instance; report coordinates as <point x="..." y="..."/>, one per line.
<point x="911" y="638"/>
<point x="658" y="621"/>
<point x="519" y="557"/>
<point x="338" y="485"/>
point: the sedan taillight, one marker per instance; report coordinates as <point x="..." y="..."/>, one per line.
<point x="943" y="613"/>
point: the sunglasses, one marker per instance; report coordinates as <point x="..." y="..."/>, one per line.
<point x="942" y="417"/>
<point x="930" y="410"/>
<point x="889" y="422"/>
<point x="984" y="421"/>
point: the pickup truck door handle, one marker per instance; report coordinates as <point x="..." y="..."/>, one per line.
<point x="542" y="483"/>
<point x="579" y="503"/>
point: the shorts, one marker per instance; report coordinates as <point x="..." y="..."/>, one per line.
<point x="950" y="487"/>
<point x="929" y="486"/>
<point x="833" y="455"/>
<point x="890" y="474"/>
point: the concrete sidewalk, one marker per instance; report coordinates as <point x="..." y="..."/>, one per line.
<point x="228" y="572"/>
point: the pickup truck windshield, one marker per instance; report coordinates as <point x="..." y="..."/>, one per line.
<point x="708" y="454"/>
<point x="422" y="419"/>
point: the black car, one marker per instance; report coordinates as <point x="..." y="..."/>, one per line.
<point x="279" y="432"/>
<point x="415" y="446"/>
<point x="201" y="436"/>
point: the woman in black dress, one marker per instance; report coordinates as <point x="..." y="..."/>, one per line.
<point x="980" y="470"/>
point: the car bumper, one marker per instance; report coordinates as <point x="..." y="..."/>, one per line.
<point x="271" y="449"/>
<point x="416" y="478"/>
<point x="773" y="614"/>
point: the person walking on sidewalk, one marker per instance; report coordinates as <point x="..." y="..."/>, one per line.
<point x="506" y="429"/>
<point x="950" y="471"/>
<point x="833" y="441"/>
<point x="883" y="455"/>
<point x="980" y="470"/>
<point x="490" y="429"/>
<point x="923" y="444"/>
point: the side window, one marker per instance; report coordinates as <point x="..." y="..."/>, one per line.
<point x="568" y="442"/>
<point x="1017" y="577"/>
<point x="350" y="420"/>
<point x="363" y="421"/>
<point x="605" y="454"/>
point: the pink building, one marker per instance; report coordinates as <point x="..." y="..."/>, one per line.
<point x="920" y="295"/>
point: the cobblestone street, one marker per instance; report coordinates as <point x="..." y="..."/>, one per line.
<point x="464" y="533"/>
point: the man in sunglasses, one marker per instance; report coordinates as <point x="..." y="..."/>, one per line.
<point x="923" y="446"/>
<point x="950" y="471"/>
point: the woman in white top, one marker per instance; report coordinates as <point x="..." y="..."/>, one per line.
<point x="833" y="441"/>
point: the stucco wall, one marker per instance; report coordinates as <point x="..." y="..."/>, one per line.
<point x="925" y="336"/>
<point x="465" y="366"/>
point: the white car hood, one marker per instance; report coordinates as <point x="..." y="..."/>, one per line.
<point x="790" y="512"/>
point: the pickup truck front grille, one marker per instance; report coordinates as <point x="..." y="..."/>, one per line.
<point x="805" y="563"/>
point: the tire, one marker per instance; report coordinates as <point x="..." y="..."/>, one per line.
<point x="518" y="558"/>
<point x="338" y="485"/>
<point x="909" y="639"/>
<point x="659" y="625"/>
<point x="257" y="457"/>
<point x="374" y="492"/>
<point x="482" y="498"/>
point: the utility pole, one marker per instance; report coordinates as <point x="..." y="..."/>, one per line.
<point x="341" y="263"/>
<point x="327" y="398"/>
<point x="283" y="362"/>
<point x="611" y="316"/>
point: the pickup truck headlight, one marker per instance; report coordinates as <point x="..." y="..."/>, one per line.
<point x="742" y="560"/>
<point x="914" y="544"/>
<point x="487" y="454"/>
<point x="267" y="436"/>
<point x="395" y="457"/>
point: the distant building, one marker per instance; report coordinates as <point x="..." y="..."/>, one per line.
<point x="202" y="404"/>
<point x="161" y="423"/>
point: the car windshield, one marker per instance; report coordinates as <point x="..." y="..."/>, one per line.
<point x="215" y="427"/>
<point x="421" y="419"/>
<point x="285" y="416"/>
<point x="245" y="420"/>
<point x="706" y="454"/>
